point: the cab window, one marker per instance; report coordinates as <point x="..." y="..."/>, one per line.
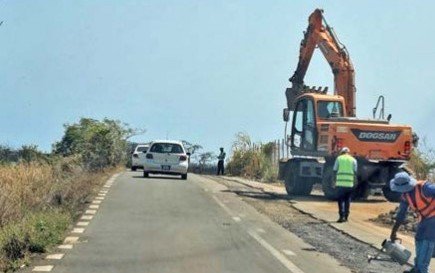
<point x="329" y="109"/>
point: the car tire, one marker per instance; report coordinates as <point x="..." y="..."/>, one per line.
<point x="184" y="176"/>
<point x="133" y="168"/>
<point x="146" y="174"/>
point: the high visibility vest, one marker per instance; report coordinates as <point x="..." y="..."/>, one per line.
<point x="422" y="205"/>
<point x="345" y="171"/>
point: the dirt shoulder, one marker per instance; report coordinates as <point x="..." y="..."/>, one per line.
<point x="322" y="234"/>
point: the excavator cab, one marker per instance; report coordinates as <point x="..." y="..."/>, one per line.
<point x="309" y="109"/>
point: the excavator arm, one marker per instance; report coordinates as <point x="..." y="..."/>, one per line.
<point x="320" y="35"/>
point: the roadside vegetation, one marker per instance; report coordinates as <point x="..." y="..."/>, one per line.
<point x="422" y="162"/>
<point x="41" y="194"/>
<point x="251" y="160"/>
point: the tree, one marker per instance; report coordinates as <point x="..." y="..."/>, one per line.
<point x="204" y="160"/>
<point x="99" y="144"/>
<point x="191" y="148"/>
<point x="30" y="153"/>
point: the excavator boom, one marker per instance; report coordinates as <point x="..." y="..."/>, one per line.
<point x="319" y="34"/>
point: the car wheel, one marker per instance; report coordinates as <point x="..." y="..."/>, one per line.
<point x="133" y="168"/>
<point x="184" y="176"/>
<point x="146" y="174"/>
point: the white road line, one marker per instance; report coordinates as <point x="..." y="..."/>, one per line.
<point x="78" y="230"/>
<point x="99" y="198"/>
<point x="260" y="230"/>
<point x="288" y="252"/>
<point x="94" y="206"/>
<point x="222" y="205"/>
<point x="55" y="256"/>
<point x="82" y="224"/>
<point x="90" y="211"/>
<point x="71" y="240"/>
<point x="86" y="217"/>
<point x="237" y="219"/>
<point x="280" y="257"/>
<point x="96" y="202"/>
<point x="44" y="268"/>
<point x="65" y="247"/>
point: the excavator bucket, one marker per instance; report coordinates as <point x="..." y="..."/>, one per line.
<point x="292" y="93"/>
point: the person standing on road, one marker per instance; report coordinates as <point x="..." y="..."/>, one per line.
<point x="345" y="168"/>
<point x="221" y="159"/>
<point x="420" y="197"/>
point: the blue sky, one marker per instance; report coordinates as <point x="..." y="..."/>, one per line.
<point x="200" y="70"/>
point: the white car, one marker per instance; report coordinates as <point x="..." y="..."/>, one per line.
<point x="138" y="156"/>
<point x="166" y="157"/>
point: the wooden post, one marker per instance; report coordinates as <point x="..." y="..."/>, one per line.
<point x="282" y="148"/>
<point x="279" y="155"/>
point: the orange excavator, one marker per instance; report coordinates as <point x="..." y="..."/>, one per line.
<point x="323" y="123"/>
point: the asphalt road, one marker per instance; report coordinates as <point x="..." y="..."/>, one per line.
<point x="163" y="224"/>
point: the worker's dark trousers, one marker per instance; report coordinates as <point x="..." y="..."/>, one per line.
<point x="220" y="167"/>
<point x="344" y="198"/>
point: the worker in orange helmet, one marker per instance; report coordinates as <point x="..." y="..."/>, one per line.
<point x="420" y="197"/>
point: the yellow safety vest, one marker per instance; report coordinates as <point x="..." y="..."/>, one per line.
<point x="345" y="171"/>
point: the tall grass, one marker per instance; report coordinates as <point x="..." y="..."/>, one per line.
<point x="38" y="201"/>
<point x="252" y="163"/>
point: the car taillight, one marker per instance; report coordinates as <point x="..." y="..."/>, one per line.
<point x="183" y="158"/>
<point x="149" y="156"/>
<point x="407" y="147"/>
<point x="135" y="155"/>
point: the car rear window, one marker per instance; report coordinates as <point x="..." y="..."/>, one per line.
<point x="142" y="149"/>
<point x="167" y="148"/>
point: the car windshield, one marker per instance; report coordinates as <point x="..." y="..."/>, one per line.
<point x="329" y="109"/>
<point x="142" y="149"/>
<point x="167" y="148"/>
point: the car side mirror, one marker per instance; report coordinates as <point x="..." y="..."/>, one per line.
<point x="285" y="114"/>
<point x="188" y="154"/>
<point x="144" y="152"/>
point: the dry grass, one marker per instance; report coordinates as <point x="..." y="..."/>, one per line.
<point x="37" y="203"/>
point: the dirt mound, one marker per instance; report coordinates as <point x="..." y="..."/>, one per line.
<point x="388" y="219"/>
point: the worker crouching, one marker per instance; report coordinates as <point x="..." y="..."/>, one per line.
<point x="420" y="197"/>
<point x="345" y="168"/>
